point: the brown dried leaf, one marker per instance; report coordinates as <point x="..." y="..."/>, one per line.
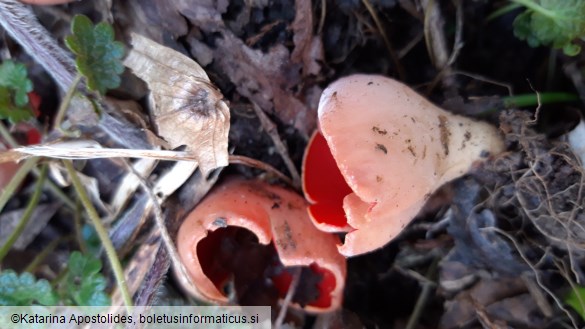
<point x="493" y="300"/>
<point x="207" y="13"/>
<point x="308" y="48"/>
<point x="268" y="79"/>
<point x="186" y="108"/>
<point x="154" y="19"/>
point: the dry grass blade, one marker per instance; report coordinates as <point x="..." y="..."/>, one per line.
<point x="281" y="148"/>
<point x="393" y="56"/>
<point x="138" y="266"/>
<point x="85" y="149"/>
<point x="253" y="163"/>
<point x="434" y="36"/>
<point x="296" y="276"/>
<point x="166" y="185"/>
<point x="130" y="183"/>
<point x="538" y="277"/>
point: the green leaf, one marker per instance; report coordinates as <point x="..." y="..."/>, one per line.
<point x="24" y="289"/>
<point x="85" y="284"/>
<point x="9" y="110"/>
<point x="14" y="77"/>
<point x="98" y="56"/>
<point x="553" y="23"/>
<point x="14" y="87"/>
<point x="91" y="238"/>
<point x="576" y="299"/>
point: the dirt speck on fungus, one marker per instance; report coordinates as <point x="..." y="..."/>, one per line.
<point x="289" y="240"/>
<point x="382" y="148"/>
<point x="411" y="149"/>
<point x="445" y="133"/>
<point x="378" y="130"/>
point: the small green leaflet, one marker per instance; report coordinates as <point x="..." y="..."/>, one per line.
<point x="24" y="290"/>
<point x="555" y="23"/>
<point x="84" y="283"/>
<point x="98" y="56"/>
<point x="576" y="299"/>
<point x="9" y="110"/>
<point x="14" y="87"/>
<point x="14" y="76"/>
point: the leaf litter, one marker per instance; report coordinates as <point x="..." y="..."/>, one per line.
<point x="512" y="220"/>
<point x="208" y="155"/>
<point x="536" y="195"/>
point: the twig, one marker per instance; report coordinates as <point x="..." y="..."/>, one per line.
<point x="434" y="36"/>
<point x="60" y="276"/>
<point x="244" y="160"/>
<point x="458" y="43"/>
<point x="16" y="181"/>
<point x="427" y="288"/>
<point x="65" y="104"/>
<point x="413" y="42"/>
<point x="281" y="148"/>
<point x="160" y="223"/>
<point x="322" y="17"/>
<point x="7" y="137"/>
<point x="436" y="43"/>
<point x="31" y="267"/>
<point x="102" y="233"/>
<point x="393" y="56"/>
<point x="538" y="296"/>
<point x="80" y="149"/>
<point x="410" y="7"/>
<point x="92" y="150"/>
<point x="537" y="110"/>
<point x="21" y="23"/>
<point x="487" y="80"/>
<point x="536" y="276"/>
<point x="292" y="288"/>
<point x="30" y="207"/>
<point x="551" y="68"/>
<point x="77" y="225"/>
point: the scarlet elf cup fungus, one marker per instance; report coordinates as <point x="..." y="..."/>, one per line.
<point x="208" y="244"/>
<point x="383" y="151"/>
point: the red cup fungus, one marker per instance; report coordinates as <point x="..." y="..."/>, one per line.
<point x="252" y="233"/>
<point x="382" y="150"/>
